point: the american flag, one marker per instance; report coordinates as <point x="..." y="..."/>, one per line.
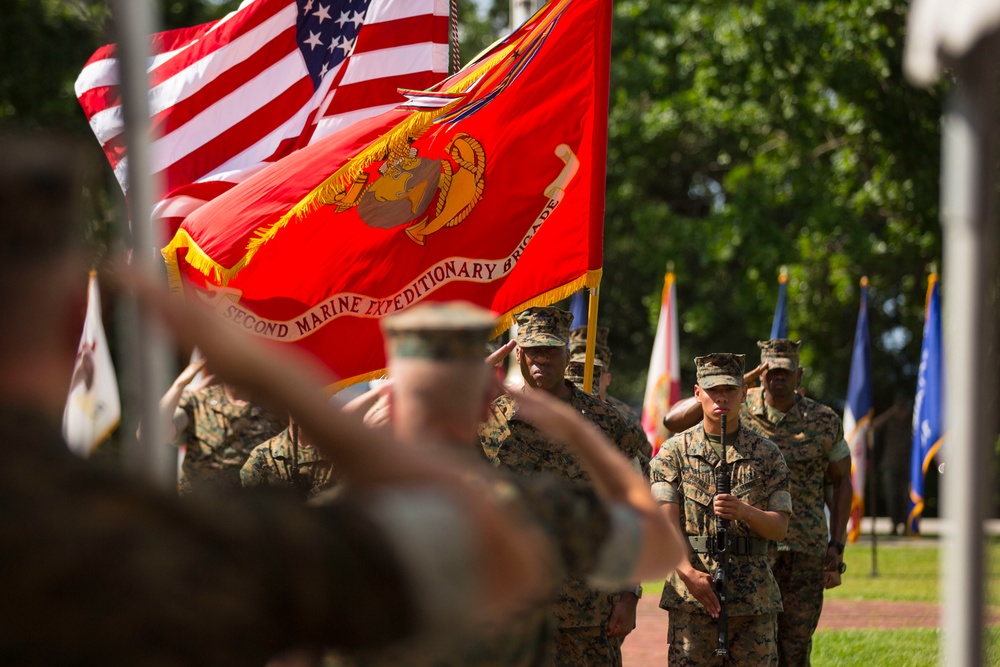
<point x="227" y="98"/>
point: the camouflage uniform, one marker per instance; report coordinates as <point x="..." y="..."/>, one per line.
<point x="580" y="524"/>
<point x="594" y="540"/>
<point x="220" y="436"/>
<point x="810" y="437"/>
<point x="684" y="474"/>
<point x="578" y="350"/>
<point x="271" y="465"/>
<point x="188" y="584"/>
<point x="581" y="611"/>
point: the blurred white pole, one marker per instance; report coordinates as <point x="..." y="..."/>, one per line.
<point x="968" y="183"/>
<point x="146" y="343"/>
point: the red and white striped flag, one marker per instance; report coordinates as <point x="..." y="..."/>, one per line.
<point x="663" y="385"/>
<point x="228" y="98"/>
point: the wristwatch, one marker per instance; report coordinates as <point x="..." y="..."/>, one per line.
<point x="839" y="545"/>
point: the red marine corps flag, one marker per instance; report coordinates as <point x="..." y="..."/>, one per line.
<point x="488" y="187"/>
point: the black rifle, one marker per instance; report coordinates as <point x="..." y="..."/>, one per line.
<point x="721" y="550"/>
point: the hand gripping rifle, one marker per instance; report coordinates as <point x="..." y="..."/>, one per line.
<point x="721" y="550"/>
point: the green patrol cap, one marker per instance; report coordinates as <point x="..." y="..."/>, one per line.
<point x="780" y="353"/>
<point x="575" y="370"/>
<point x="578" y="343"/>
<point x="720" y="368"/>
<point x="450" y="331"/>
<point x="543" y="327"/>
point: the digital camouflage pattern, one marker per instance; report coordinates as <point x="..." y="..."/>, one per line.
<point x="720" y="368"/>
<point x="693" y="638"/>
<point x="810" y="437"/>
<point x="780" y="353"/>
<point x="800" y="578"/>
<point x="272" y="464"/>
<point x="543" y="327"/>
<point x="578" y="523"/>
<point x="515" y="445"/>
<point x="683" y="472"/>
<point x="586" y="647"/>
<point x="578" y="343"/>
<point x="220" y="436"/>
<point x="575" y="370"/>
<point x="602" y="355"/>
<point x="231" y="583"/>
<point x="646" y="450"/>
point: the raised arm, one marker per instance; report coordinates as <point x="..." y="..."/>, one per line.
<point x="614" y="476"/>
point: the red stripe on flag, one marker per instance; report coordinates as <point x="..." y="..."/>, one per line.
<point x="237" y="137"/>
<point x="376" y="92"/>
<point x="212" y="41"/>
<point x="401" y="32"/>
<point x="229" y="81"/>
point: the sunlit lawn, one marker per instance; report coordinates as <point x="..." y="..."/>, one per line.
<point x="907" y="571"/>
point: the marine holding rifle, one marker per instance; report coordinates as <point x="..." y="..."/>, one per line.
<point x="757" y="510"/>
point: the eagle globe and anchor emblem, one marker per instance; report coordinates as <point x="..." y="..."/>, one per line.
<point x="422" y="193"/>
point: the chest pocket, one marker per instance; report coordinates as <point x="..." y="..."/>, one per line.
<point x="752" y="491"/>
<point x="807" y="462"/>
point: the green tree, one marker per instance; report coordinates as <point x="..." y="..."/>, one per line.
<point x="747" y="136"/>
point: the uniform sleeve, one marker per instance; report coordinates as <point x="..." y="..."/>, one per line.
<point x="664" y="474"/>
<point x="252" y="472"/>
<point x="778" y="497"/>
<point x="840" y="449"/>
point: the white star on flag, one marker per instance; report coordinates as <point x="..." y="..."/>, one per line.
<point x="322" y="14"/>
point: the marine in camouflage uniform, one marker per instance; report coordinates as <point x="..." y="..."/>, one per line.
<point x="684" y="482"/>
<point x="578" y="350"/>
<point x="447" y="339"/>
<point x="811" y="438"/>
<point x="582" y="612"/>
<point x="219" y="437"/>
<point x="288" y="461"/>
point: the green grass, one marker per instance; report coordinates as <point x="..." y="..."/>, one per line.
<point x="888" y="648"/>
<point x="907" y="571"/>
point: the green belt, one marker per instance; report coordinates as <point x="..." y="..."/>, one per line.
<point x="739" y="545"/>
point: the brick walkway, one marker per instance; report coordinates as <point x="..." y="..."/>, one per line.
<point x="647" y="645"/>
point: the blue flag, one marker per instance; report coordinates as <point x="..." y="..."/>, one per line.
<point x="779" y="327"/>
<point x="858" y="412"/>
<point x="578" y="305"/>
<point x="928" y="407"/>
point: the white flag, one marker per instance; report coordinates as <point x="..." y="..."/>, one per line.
<point x="93" y="408"/>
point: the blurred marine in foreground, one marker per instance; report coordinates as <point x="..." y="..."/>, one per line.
<point x="101" y="569"/>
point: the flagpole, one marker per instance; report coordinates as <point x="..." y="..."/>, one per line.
<point x="968" y="223"/>
<point x="146" y="342"/>
<point x="873" y="492"/>
<point x="588" y="371"/>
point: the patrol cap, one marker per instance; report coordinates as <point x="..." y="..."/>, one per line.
<point x="720" y="368"/>
<point x="575" y="370"/>
<point x="780" y="353"/>
<point x="449" y="331"/>
<point x="543" y="327"/>
<point x="578" y="343"/>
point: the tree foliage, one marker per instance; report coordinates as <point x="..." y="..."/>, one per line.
<point x="754" y="135"/>
<point x="744" y="136"/>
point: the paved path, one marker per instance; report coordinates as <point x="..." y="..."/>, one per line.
<point x="647" y="645"/>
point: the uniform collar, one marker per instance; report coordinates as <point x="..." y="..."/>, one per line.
<point x="701" y="447"/>
<point x="759" y="408"/>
